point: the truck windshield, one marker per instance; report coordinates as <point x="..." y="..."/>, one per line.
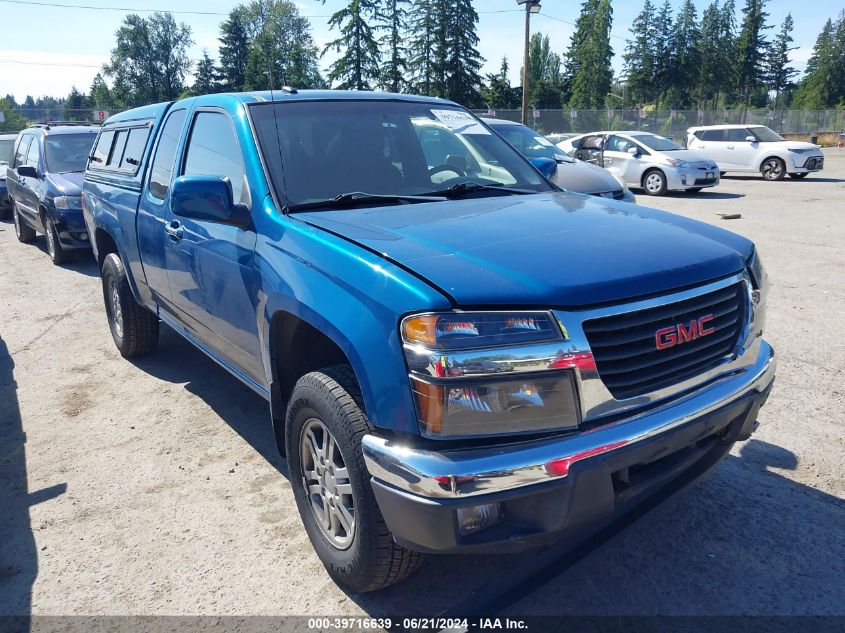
<point x="319" y="150"/>
<point x="765" y="135"/>
<point x="68" y="152"/>
<point x="658" y="143"/>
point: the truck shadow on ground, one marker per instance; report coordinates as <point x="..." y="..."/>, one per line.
<point x="18" y="554"/>
<point x="81" y="261"/>
<point x="744" y="540"/>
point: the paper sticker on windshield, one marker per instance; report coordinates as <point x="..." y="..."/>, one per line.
<point x="542" y="140"/>
<point x="460" y="122"/>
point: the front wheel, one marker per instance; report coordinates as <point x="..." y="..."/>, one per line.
<point x="57" y="254"/>
<point x="799" y="176"/>
<point x="323" y="431"/>
<point x="133" y="327"/>
<point x="773" y="169"/>
<point x="654" y="183"/>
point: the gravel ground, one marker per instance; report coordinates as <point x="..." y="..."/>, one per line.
<point x="153" y="487"/>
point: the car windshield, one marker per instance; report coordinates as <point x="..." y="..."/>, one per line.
<point x="765" y="135"/>
<point x="318" y="150"/>
<point x="527" y="142"/>
<point x="6" y="150"/>
<point x="68" y="152"/>
<point x="658" y="143"/>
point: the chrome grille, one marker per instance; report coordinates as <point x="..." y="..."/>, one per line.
<point x="625" y="349"/>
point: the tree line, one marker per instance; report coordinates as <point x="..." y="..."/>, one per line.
<point x="672" y="59"/>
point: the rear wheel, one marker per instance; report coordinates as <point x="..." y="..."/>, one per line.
<point x="799" y="176"/>
<point x="24" y="232"/>
<point x="133" y="327"/>
<point x="323" y="431"/>
<point x="773" y="169"/>
<point x="57" y="254"/>
<point x="654" y="182"/>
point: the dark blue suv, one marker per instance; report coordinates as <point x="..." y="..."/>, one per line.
<point x="44" y="182"/>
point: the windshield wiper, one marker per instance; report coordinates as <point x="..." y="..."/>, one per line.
<point x="461" y="189"/>
<point x="356" y="198"/>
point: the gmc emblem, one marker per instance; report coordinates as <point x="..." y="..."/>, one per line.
<point x="683" y="333"/>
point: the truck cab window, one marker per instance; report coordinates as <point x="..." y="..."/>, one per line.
<point x="162" y="168"/>
<point x="213" y="151"/>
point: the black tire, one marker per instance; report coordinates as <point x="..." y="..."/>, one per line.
<point x="773" y="169"/>
<point x="799" y="176"/>
<point x="371" y="560"/>
<point x="23" y="231"/>
<point x="136" y="331"/>
<point x="57" y="254"/>
<point x="654" y="182"/>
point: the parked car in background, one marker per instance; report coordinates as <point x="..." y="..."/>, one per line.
<point x="645" y="161"/>
<point x="572" y="175"/>
<point x="756" y="149"/>
<point x="7" y="144"/>
<point x="45" y="185"/>
<point x="457" y="355"/>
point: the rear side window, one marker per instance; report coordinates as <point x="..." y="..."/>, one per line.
<point x="736" y="136"/>
<point x="134" y="151"/>
<point x="23" y="148"/>
<point x="103" y="148"/>
<point x="117" y="149"/>
<point x="712" y="135"/>
<point x="213" y="151"/>
<point x="162" y="168"/>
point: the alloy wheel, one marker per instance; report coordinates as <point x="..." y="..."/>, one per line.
<point x="116" y="311"/>
<point x="326" y="481"/>
<point x="51" y="240"/>
<point x="17" y="221"/>
<point x="772" y="169"/>
<point x="653" y="183"/>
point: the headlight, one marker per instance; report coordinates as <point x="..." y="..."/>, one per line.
<point x="677" y="163"/>
<point x="798" y="151"/>
<point x="68" y="202"/>
<point x="488" y="373"/>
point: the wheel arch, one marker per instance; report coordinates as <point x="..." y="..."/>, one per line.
<point x="771" y="155"/>
<point x="648" y="171"/>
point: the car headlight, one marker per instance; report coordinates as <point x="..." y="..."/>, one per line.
<point x="68" y="202"/>
<point x="489" y="373"/>
<point x="798" y="151"/>
<point x="675" y="162"/>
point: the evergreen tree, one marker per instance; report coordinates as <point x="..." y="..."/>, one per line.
<point x="823" y="84"/>
<point x="639" y="55"/>
<point x="498" y="93"/>
<point x="423" y="19"/>
<point x="281" y="44"/>
<point x="234" y="48"/>
<point x="358" y="66"/>
<point x="99" y="95"/>
<point x="544" y="68"/>
<point x="12" y="119"/>
<point x="588" y="70"/>
<point x="76" y="106"/>
<point x="779" y="73"/>
<point x="663" y="63"/>
<point x="685" y="61"/>
<point x="461" y="61"/>
<point x="751" y="49"/>
<point x="207" y="80"/>
<point x="395" y="24"/>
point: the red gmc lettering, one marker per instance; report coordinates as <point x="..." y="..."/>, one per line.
<point x="668" y="337"/>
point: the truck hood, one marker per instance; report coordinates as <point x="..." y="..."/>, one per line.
<point x="69" y="184"/>
<point x="542" y="250"/>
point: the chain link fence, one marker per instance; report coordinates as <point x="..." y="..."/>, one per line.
<point x="674" y="123"/>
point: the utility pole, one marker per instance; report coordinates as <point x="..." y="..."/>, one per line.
<point x="531" y="6"/>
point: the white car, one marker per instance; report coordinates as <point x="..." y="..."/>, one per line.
<point x="755" y="148"/>
<point x="643" y="160"/>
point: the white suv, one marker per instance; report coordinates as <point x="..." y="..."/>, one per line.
<point x="755" y="148"/>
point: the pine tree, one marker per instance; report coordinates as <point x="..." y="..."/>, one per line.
<point x="544" y="68"/>
<point x="498" y="93"/>
<point x="685" y="61"/>
<point x="639" y="55"/>
<point x="207" y="79"/>
<point x="664" y="24"/>
<point x="99" y="95"/>
<point x="395" y="24"/>
<point x="461" y="61"/>
<point x="234" y="49"/>
<point x="358" y="66"/>
<point x="588" y="68"/>
<point x="75" y="106"/>
<point x="779" y="73"/>
<point x="751" y="49"/>
<point x="421" y="69"/>
<point x="823" y="84"/>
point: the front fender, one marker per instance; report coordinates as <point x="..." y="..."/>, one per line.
<point x="353" y="296"/>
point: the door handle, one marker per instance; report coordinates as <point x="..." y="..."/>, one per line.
<point x="174" y="230"/>
<point x="730" y="146"/>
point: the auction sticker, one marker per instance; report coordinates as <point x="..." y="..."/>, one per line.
<point x="460" y="122"/>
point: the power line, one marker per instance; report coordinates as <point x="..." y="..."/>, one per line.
<point x="551" y="17"/>
<point x="20" y="61"/>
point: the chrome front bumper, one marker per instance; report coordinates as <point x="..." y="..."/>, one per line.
<point x="463" y="473"/>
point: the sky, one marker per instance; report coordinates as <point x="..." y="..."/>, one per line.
<point x="46" y="50"/>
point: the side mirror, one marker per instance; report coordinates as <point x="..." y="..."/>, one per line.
<point x="27" y="171"/>
<point x="207" y="198"/>
<point x="545" y="166"/>
<point x="633" y="151"/>
<point x="751" y="139"/>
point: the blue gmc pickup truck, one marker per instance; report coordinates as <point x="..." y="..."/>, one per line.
<point x="458" y="356"/>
